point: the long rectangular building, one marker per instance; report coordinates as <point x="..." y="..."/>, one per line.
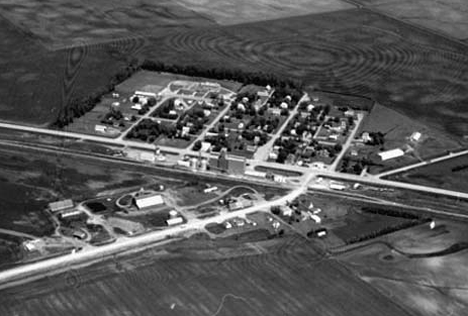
<point x="148" y="201"/>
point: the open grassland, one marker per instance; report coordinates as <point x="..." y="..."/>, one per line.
<point x="227" y="12"/>
<point x="446" y="16"/>
<point x="289" y="279"/>
<point x="359" y="52"/>
<point x="420" y="268"/>
<point x="450" y="174"/>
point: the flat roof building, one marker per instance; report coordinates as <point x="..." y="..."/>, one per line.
<point x="60" y="205"/>
<point x="148" y="201"/>
<point x="391" y="154"/>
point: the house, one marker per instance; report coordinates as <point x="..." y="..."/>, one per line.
<point x="60" y="205"/>
<point x="136" y="107"/>
<point x="79" y="234"/>
<point x="149" y="200"/>
<point x="333" y="137"/>
<point x="100" y="128"/>
<point x="284" y="105"/>
<point x="275" y="111"/>
<point x="286" y="211"/>
<point x="263" y="93"/>
<point x="256" y="140"/>
<point x="145" y="94"/>
<point x="71" y="213"/>
<point x="366" y="138"/>
<point x="416" y="137"/>
<point x="185" y="131"/>
<point x="310" y="107"/>
<point x="304" y="115"/>
<point x="251" y="148"/>
<point x="349" y="113"/>
<point x="273" y="155"/>
<point x="210" y="190"/>
<point x="205" y="146"/>
<point x="174" y="221"/>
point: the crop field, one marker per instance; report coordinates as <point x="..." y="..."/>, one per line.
<point x="32" y="89"/>
<point x="419" y="268"/>
<point x="448" y="16"/>
<point x="289" y="278"/>
<point x="58" y="24"/>
<point x="421" y="75"/>
<point x="227" y="12"/>
<point x="451" y="174"/>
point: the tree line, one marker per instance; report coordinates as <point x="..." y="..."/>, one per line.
<point x="258" y="78"/>
<point x="78" y="107"/>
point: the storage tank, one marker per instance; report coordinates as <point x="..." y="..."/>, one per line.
<point x="194" y="163"/>
<point x="203" y="164"/>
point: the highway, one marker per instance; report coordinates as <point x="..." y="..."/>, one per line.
<point x="423" y="163"/>
<point x="54" y="265"/>
<point x="253" y="163"/>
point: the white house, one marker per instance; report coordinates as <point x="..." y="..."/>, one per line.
<point x="416" y="137"/>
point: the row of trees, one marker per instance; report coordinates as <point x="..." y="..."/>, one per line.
<point x="258" y="78"/>
<point x="78" y="107"/>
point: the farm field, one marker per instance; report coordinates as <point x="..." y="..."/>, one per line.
<point x="447" y="16"/>
<point x="419" y="74"/>
<point x="243" y="11"/>
<point x="58" y="24"/>
<point x="450" y="174"/>
<point x="32" y="89"/>
<point x="419" y="268"/>
<point x="285" y="276"/>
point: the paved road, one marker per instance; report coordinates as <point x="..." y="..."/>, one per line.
<point x="329" y="173"/>
<point x="37" y="269"/>
<point x="141" y="118"/>
<point x="423" y="163"/>
<point x="206" y="129"/>
<point x="347" y="144"/>
<point x="17" y="234"/>
<point x="262" y="153"/>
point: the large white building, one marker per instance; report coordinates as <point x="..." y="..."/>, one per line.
<point x="148" y="201"/>
<point x="391" y="154"/>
